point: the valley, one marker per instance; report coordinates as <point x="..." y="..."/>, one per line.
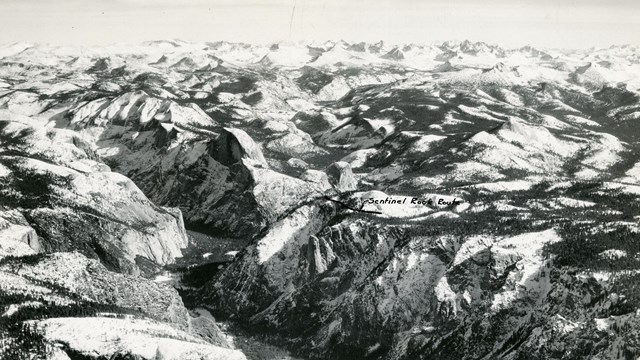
<point x="335" y="200"/>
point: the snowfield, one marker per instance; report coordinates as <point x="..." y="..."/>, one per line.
<point x="98" y="336"/>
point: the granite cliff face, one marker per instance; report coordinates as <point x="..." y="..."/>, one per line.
<point x="451" y="201"/>
<point x="368" y="286"/>
<point x="57" y="196"/>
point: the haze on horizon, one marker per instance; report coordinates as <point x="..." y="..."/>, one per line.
<point x="543" y="23"/>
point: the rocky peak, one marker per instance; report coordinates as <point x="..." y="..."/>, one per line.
<point x="234" y="145"/>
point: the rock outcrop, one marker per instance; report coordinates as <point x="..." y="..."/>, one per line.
<point x="17" y="237"/>
<point x="235" y="145"/>
<point x="341" y="176"/>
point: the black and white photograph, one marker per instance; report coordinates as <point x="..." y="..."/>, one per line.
<point x="319" y="180"/>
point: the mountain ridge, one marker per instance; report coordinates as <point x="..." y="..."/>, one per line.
<point x="523" y="163"/>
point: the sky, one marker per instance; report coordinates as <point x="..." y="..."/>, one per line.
<point x="542" y="23"/>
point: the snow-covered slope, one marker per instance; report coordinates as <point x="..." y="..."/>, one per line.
<point x="369" y="200"/>
<point x="74" y="202"/>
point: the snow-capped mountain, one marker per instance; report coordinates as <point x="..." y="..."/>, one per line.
<point x="351" y="200"/>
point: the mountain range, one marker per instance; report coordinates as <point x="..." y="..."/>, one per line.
<point x="158" y="198"/>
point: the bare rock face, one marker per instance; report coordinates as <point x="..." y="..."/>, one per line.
<point x="273" y="193"/>
<point x="17" y="237"/>
<point x="277" y="193"/>
<point x="274" y="262"/>
<point x="204" y="325"/>
<point x="234" y="145"/>
<point x="341" y="176"/>
<point x="317" y="177"/>
<point x="74" y="202"/>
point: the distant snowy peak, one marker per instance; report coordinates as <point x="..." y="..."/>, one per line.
<point x="594" y="76"/>
<point x="533" y="52"/>
<point x="359" y="47"/>
<point x="289" y="56"/>
<point x="102" y="64"/>
<point x="161" y="61"/>
<point x="497" y="75"/>
<point x="377" y="47"/>
<point x="474" y="48"/>
<point x="164" y="43"/>
<point x="186" y="63"/>
<point x="589" y="69"/>
<point x="394" y="54"/>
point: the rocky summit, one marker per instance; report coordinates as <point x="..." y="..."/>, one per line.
<point x="334" y="200"/>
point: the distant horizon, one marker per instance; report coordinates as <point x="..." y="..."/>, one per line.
<point x="307" y="42"/>
<point x="550" y="24"/>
